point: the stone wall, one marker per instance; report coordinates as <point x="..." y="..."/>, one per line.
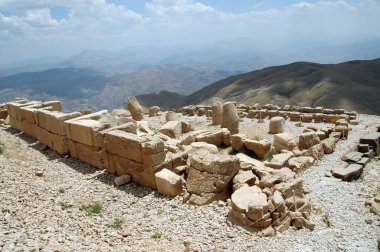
<point x="294" y="113"/>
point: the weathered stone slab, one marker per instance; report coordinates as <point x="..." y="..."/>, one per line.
<point x="352" y="157"/>
<point x="349" y="173"/>
<point x="124" y="144"/>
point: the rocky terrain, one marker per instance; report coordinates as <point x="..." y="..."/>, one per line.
<point x="54" y="202"/>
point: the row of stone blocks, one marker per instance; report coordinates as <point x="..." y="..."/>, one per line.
<point x="88" y="138"/>
<point x="304" y="114"/>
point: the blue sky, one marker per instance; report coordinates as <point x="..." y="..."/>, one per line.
<point x="35" y="28"/>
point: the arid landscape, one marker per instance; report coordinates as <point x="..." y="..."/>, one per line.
<point x="56" y="202"/>
<point x="189" y="125"/>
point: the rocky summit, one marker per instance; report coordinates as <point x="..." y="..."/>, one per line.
<point x="220" y="177"/>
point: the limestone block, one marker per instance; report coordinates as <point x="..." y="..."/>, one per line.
<point x="168" y="183"/>
<point x="172" y="129"/>
<point x="307" y="140"/>
<point x="260" y="148"/>
<point x="283" y="141"/>
<point x="124" y="144"/>
<point x="276" y="125"/>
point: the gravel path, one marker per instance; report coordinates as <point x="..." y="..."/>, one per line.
<point x="44" y="212"/>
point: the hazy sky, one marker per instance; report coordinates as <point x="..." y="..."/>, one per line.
<point x="38" y="28"/>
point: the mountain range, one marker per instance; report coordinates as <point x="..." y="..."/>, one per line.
<point x="353" y="85"/>
<point x="81" y="88"/>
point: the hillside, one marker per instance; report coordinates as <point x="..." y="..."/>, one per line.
<point x="80" y="88"/>
<point x="353" y="85"/>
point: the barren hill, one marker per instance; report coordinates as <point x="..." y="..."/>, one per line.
<point x="353" y="85"/>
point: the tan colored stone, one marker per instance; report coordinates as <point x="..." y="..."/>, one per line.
<point x="316" y="151"/>
<point x="168" y="183"/>
<point x="135" y="108"/>
<point x="328" y="145"/>
<point x="243" y="177"/>
<point x="171" y="116"/>
<point x="260" y="148"/>
<point x="307" y="140"/>
<point x="153" y="111"/>
<point x="172" y="129"/>
<point x="283" y="141"/>
<point x="237" y="141"/>
<point x="279" y="160"/>
<point x="276" y="125"/>
<point x="230" y="118"/>
<point x="124" y="144"/>
<point x="300" y="163"/>
<point x="217" y="113"/>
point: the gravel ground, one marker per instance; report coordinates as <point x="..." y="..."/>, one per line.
<point x="45" y="212"/>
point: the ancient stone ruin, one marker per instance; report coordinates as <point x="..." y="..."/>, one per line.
<point x="257" y="176"/>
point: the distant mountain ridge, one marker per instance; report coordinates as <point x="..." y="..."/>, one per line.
<point x="80" y="88"/>
<point x="353" y="85"/>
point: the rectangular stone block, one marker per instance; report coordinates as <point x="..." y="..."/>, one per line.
<point x="140" y="174"/>
<point x="59" y="143"/>
<point x="92" y="116"/>
<point x="90" y="155"/>
<point x="29" y="114"/>
<point x="30" y="129"/>
<point x="124" y="144"/>
<point x="84" y="131"/>
<point x="153" y="159"/>
<point x="56" y="121"/>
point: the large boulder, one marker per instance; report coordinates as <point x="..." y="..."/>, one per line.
<point x="250" y="207"/>
<point x="210" y="175"/>
<point x="230" y="118"/>
<point x="307" y="140"/>
<point x="283" y="141"/>
<point x="276" y="125"/>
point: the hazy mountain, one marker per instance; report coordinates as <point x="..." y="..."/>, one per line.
<point x="81" y="88"/>
<point x="353" y="85"/>
<point x="240" y="54"/>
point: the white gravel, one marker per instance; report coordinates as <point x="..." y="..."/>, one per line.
<point x="32" y="217"/>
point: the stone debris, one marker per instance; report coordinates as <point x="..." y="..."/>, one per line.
<point x="307" y="140"/>
<point x="197" y="165"/>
